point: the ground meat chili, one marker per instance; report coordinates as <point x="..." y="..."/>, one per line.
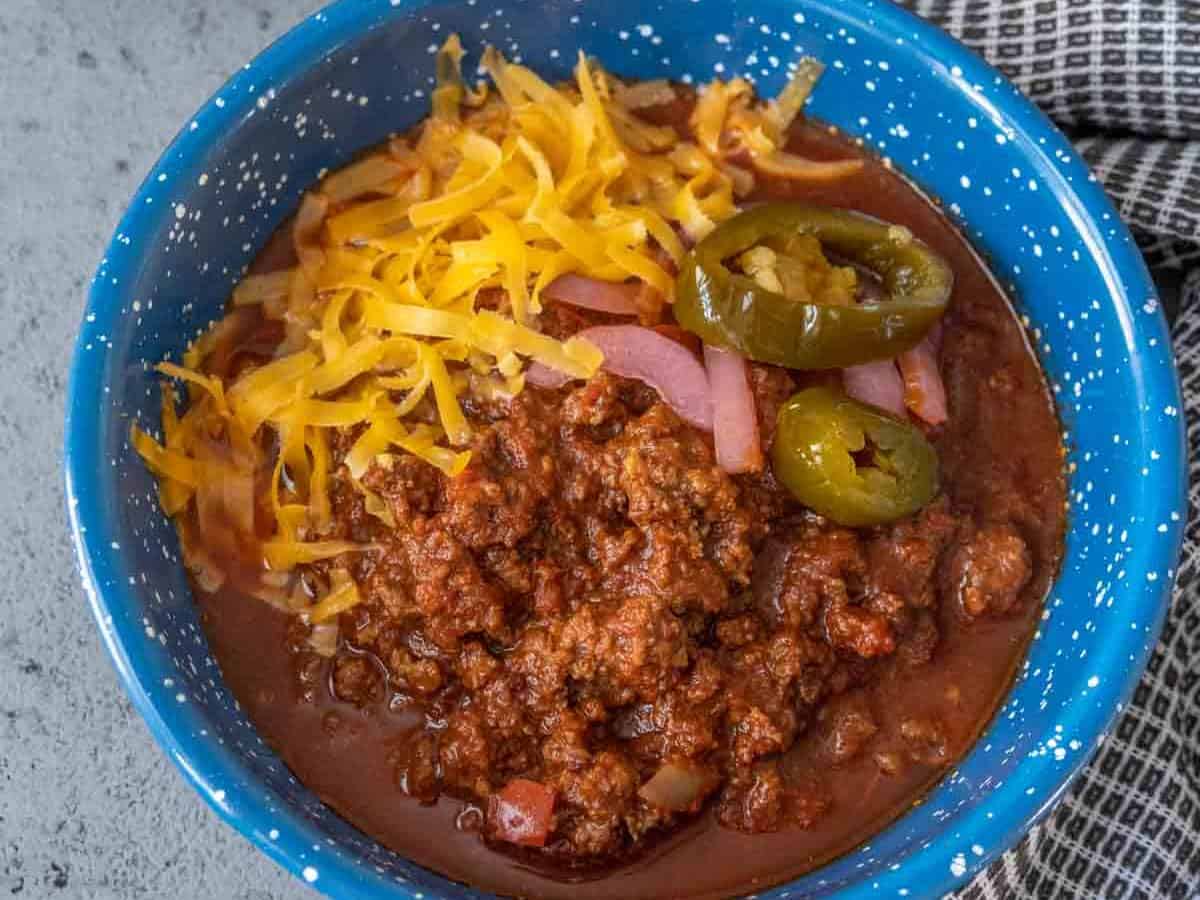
<point x="592" y="600"/>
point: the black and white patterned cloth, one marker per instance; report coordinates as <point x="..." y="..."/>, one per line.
<point x="1122" y="77"/>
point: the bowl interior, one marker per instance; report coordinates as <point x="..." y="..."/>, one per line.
<point x="348" y="77"/>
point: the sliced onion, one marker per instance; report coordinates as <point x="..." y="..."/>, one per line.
<point x="306" y="232"/>
<point x="743" y="179"/>
<point x="924" y="390"/>
<point x="225" y="518"/>
<point x="877" y="383"/>
<point x="205" y="571"/>
<point x="540" y="375"/>
<point x="644" y="94"/>
<point x="277" y="597"/>
<point x="642" y="353"/>
<point x="591" y="293"/>
<point x="654" y="358"/>
<point x="735" y="416"/>
<point x="676" y="787"/>
<point x="237" y="492"/>
<point x="225" y="505"/>
<point x="799" y="168"/>
<point x="323" y="639"/>
<point x="787" y="105"/>
<point x="366" y="176"/>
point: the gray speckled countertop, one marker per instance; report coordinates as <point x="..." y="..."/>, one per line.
<point x="90" y="93"/>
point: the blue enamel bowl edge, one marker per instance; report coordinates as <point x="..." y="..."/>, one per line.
<point x="991" y="814"/>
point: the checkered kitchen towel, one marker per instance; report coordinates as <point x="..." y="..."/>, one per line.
<point x="1123" y="78"/>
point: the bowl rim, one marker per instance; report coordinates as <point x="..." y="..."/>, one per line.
<point x="285" y="837"/>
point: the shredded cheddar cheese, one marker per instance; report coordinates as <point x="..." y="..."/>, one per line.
<point x="391" y="311"/>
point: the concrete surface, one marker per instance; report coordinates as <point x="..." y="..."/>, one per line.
<point x="90" y="92"/>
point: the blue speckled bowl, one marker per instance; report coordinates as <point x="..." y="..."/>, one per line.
<point x="346" y="77"/>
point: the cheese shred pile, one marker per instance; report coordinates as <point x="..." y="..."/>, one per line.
<point x="419" y="277"/>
